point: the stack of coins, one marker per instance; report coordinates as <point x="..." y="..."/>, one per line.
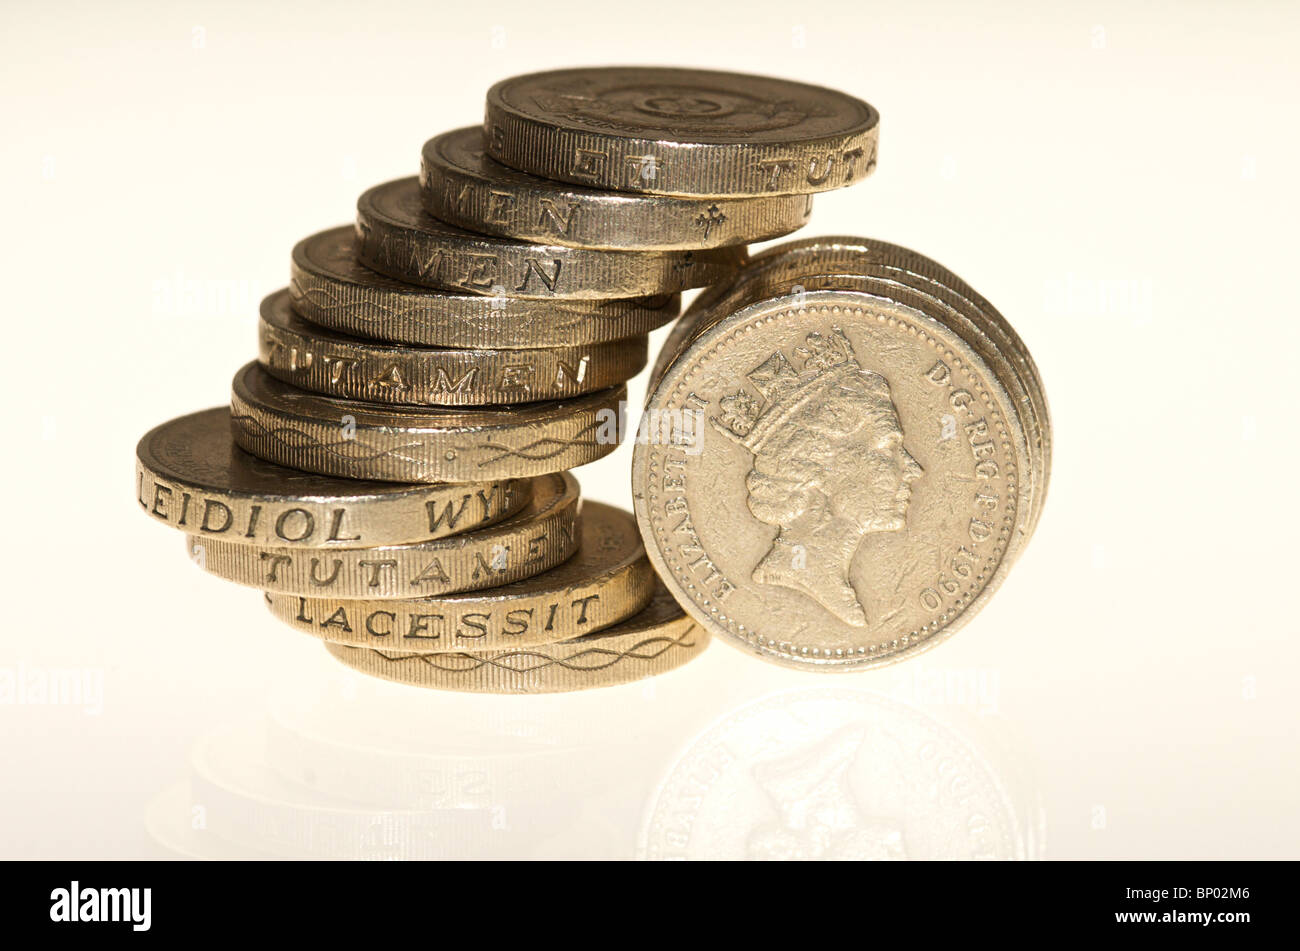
<point x="392" y="470"/>
<point x="855" y="449"/>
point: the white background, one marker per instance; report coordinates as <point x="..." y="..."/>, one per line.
<point x="1119" y="180"/>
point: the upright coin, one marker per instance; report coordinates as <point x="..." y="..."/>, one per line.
<point x="607" y="581"/>
<point x="851" y="491"/>
<point x="400" y="239"/>
<point x="330" y="287"/>
<point x="537" y="538"/>
<point x="850" y="263"/>
<point x="680" y="131"/>
<point x="191" y="475"/>
<point x="292" y="427"/>
<point x="652" y="642"/>
<point x="321" y="360"/>
<point x="466" y="188"/>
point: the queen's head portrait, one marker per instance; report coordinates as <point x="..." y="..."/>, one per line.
<point x="829" y="466"/>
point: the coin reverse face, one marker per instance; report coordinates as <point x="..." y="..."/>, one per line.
<point x="680" y="131"/>
<point x="832" y="480"/>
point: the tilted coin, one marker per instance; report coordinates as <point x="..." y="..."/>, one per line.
<point x="466" y="188"/>
<point x="849" y="263"/>
<point x="680" y="131"/>
<point x="321" y="360"/>
<point x="655" y="640"/>
<point x="191" y="475"/>
<point x="853" y="486"/>
<point x="293" y="427"/>
<point x="399" y="238"/>
<point x="537" y="538"/>
<point x="330" y="287"/>
<point x="607" y="581"/>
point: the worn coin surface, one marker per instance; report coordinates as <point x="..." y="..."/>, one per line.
<point x="293" y="427"/>
<point x="399" y="238"/>
<point x="330" y="287"/>
<point x="324" y="361"/>
<point x="655" y="640"/>
<point x="847" y="486"/>
<point x="537" y="538"/>
<point x="607" y="581"/>
<point x="466" y="188"/>
<point x="680" y="131"/>
<point x="191" y="475"/>
<point x="849" y="263"/>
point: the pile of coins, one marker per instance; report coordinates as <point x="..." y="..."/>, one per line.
<point x="392" y="470"/>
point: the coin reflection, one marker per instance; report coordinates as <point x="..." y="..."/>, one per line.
<point x="838" y="774"/>
<point x="345" y="766"/>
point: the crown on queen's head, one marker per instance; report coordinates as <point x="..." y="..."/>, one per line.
<point x="782" y="389"/>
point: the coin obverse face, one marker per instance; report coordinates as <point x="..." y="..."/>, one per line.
<point x="832" y="481"/>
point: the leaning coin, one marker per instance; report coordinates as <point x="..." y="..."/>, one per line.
<point x="464" y="187"/>
<point x="331" y="288"/>
<point x="293" y="427"/>
<point x="296" y="351"/>
<point x="399" y="238"/>
<point x="655" y="640"/>
<point x="540" y="536"/>
<point x="607" y="581"/>
<point x="191" y="475"/>
<point x="838" y="423"/>
<point x="680" y="131"/>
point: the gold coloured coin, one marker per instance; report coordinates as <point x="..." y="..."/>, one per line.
<point x="298" y="352"/>
<point x="330" y="287"/>
<point x="657" y="639"/>
<point x="537" y="538"/>
<point x="607" y="581"/>
<point x="191" y="475"/>
<point x="853" y="488"/>
<point x="293" y="427"/>
<point x="464" y="187"/>
<point x="680" y="131"/>
<point x="399" y="238"/>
